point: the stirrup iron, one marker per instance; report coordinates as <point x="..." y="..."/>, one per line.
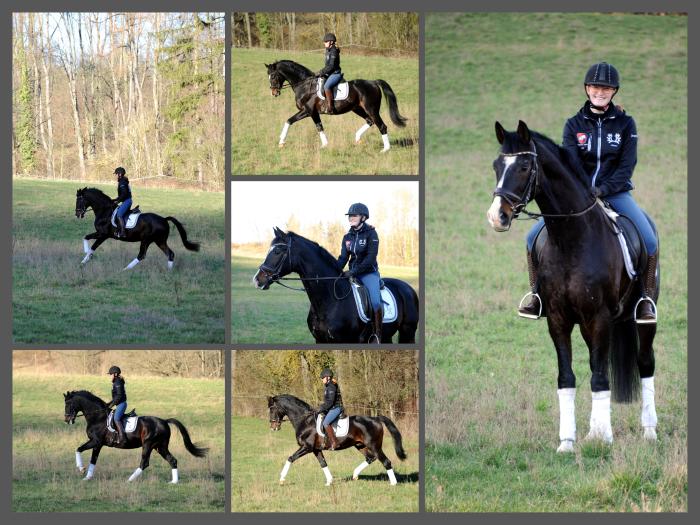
<point x="653" y="309"/>
<point x="520" y="305"/>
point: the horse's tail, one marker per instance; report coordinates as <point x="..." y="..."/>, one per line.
<point x="193" y="449"/>
<point x="396" y="117"/>
<point x="624" y="376"/>
<point x="192" y="246"/>
<point x="398" y="443"/>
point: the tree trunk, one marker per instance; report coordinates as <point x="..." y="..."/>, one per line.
<point x="247" y="29"/>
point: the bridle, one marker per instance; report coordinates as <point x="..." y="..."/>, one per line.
<point x="285" y="79"/>
<point x="81" y="207"/>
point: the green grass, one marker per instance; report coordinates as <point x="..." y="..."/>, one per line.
<point x="278" y="315"/>
<point x="57" y="300"/>
<point x="501" y="370"/>
<point x="44" y="476"/>
<point x="256" y="470"/>
<point x="258" y="120"/>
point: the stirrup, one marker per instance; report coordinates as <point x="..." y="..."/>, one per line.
<point x="530" y="316"/>
<point x="653" y="309"/>
<point x="375" y="337"/>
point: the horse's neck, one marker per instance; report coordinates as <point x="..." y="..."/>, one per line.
<point x="93" y="412"/>
<point x="297" y="416"/>
<point x="319" y="292"/>
<point x="101" y="205"/>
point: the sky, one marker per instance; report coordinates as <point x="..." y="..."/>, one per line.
<point x="258" y="206"/>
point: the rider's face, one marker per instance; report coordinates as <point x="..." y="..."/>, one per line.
<point x="354" y="220"/>
<point x="327" y="44"/>
<point x="600" y="95"/>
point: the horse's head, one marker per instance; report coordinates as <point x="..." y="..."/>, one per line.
<point x="276" y="414"/>
<point x="276" y="79"/>
<point x="71" y="408"/>
<point x="277" y="262"/>
<point x="516" y="170"/>
<point x="81" y="204"/>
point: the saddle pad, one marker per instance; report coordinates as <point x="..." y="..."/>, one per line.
<point x="130" y="425"/>
<point x="130" y="220"/>
<point x="388" y="302"/>
<point x="341" y="426"/>
<point x="622" y="239"/>
<point x="340" y="91"/>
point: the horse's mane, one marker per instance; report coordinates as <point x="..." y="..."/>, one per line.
<point x="324" y="254"/>
<point x="557" y="152"/>
<point x="295" y="66"/>
<point x="89" y="396"/>
<point x="295" y="400"/>
<point x="98" y="193"/>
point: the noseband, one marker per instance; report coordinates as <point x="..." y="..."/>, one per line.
<point x="518" y="202"/>
<point x="274" y="273"/>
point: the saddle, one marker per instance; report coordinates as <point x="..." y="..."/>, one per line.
<point x="129" y="420"/>
<point x="341" y="426"/>
<point x="364" y="306"/>
<point x="131" y="218"/>
<point x="340" y="91"/>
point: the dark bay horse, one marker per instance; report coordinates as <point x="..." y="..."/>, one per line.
<point x="333" y="315"/>
<point x="365" y="434"/>
<point x="364" y="99"/>
<point x="150" y="228"/>
<point x="582" y="279"/>
<point x="151" y="433"/>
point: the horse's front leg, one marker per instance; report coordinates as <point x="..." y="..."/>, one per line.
<point x="560" y="332"/>
<point x="319" y="127"/>
<point x="647" y="364"/>
<point x="93" y="462"/>
<point x="596" y="333"/>
<point x="92" y="443"/>
<point x="87" y="248"/>
<point x="324" y="467"/>
<point x="302" y="113"/>
<point x="302" y="451"/>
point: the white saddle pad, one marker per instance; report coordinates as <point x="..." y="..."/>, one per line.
<point x="388" y="304"/>
<point x="129" y="426"/>
<point x="340" y="426"/>
<point x="130" y="220"/>
<point x="629" y="266"/>
<point x="340" y="91"/>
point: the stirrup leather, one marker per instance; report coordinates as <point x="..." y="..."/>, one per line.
<point x="653" y="309"/>
<point x="530" y="316"/>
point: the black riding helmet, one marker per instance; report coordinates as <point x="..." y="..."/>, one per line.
<point x="120" y="171"/>
<point x="358" y="209"/>
<point x="114" y="370"/>
<point x="326" y="372"/>
<point x="330" y="37"/>
<point x="602" y="74"/>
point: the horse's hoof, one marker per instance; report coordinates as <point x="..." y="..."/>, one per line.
<point x="650" y="433"/>
<point x="355" y="478"/>
<point x="385" y="150"/>
<point x="281" y="482"/>
<point x="599" y="436"/>
<point x="328" y="484"/>
<point x="280" y="145"/>
<point x="82" y="470"/>
<point x="565" y="446"/>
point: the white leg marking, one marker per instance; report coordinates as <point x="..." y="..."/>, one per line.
<point x="361" y="131"/>
<point x="136" y="474"/>
<point x="87" y="257"/>
<point x="329" y="478"/>
<point x="567" y="419"/>
<point x="324" y="139"/>
<point x="171" y="264"/>
<point x="283" y="135"/>
<point x="648" y="408"/>
<point x="90" y="472"/>
<point x="392" y="476"/>
<point x="600" y="417"/>
<point x="385" y="140"/>
<point x="132" y="264"/>
<point x="285" y="469"/>
<point x="86" y="246"/>
<point x="362" y="466"/>
<point x="176" y="477"/>
<point x="79" y="461"/>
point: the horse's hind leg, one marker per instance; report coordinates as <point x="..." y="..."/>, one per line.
<point x="145" y="457"/>
<point x="381" y="126"/>
<point x="140" y="257"/>
<point x="168" y="253"/>
<point x="407" y="333"/>
<point x="369" y="459"/>
<point x="368" y="123"/>
<point x="387" y="465"/>
<point x="646" y="364"/>
<point x="167" y="456"/>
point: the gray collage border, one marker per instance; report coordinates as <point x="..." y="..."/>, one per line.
<point x="298" y="5"/>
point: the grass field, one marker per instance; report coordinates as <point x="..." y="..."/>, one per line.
<point x="278" y="315"/>
<point x="259" y="454"/>
<point x="258" y="120"/>
<point x="496" y="450"/>
<point x="44" y="476"/>
<point x="57" y="300"/>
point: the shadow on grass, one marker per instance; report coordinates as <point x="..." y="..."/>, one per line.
<point x="400" y="478"/>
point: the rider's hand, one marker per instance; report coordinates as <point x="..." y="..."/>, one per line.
<point x="597" y="192"/>
<point x="347" y="274"/>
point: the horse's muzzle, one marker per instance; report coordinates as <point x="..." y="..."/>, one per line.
<point x="275" y="92"/>
<point x="261" y="280"/>
<point x="275" y="425"/>
<point x="500" y="215"/>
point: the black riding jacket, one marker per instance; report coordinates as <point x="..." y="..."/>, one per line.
<point x="331" y="397"/>
<point x="604" y="147"/>
<point x="123" y="189"/>
<point x="332" y="62"/>
<point x="361" y="247"/>
<point x="118" y="391"/>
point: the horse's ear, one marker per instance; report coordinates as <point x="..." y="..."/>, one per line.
<point x="524" y="132"/>
<point x="279" y="233"/>
<point x="500" y="133"/>
<point x="270" y="402"/>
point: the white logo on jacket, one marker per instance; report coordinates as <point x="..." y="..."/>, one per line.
<point x="362" y="242"/>
<point x="614" y="139"/>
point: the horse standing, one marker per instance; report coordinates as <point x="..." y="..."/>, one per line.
<point x="333" y="314"/>
<point x="582" y="279"/>
<point x="149" y="228"/>
<point x="365" y="434"/>
<point x="364" y="99"/>
<point x="151" y="433"/>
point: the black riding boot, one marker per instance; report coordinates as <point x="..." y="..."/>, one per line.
<point x="122" y="228"/>
<point x="646" y="309"/>
<point x="331" y="437"/>
<point x="533" y="309"/>
<point x="328" y="93"/>
<point x="121" y="437"/>
<point x="376" y="336"/>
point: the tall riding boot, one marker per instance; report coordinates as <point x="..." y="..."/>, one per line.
<point x="376" y="336"/>
<point x="121" y="437"/>
<point x="532" y="310"/>
<point x="646" y="308"/>
<point x="328" y="93"/>
<point x="331" y="436"/>
<point x="122" y="228"/>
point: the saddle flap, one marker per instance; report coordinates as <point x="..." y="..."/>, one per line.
<point x="341" y="426"/>
<point x="130" y="421"/>
<point x="364" y="306"/>
<point x="340" y="91"/>
<point x="131" y="218"/>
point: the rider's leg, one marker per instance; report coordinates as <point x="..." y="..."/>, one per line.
<point x="118" y="414"/>
<point x="532" y="310"/>
<point x="371" y="282"/>
<point x="331" y="416"/>
<point x="328" y="86"/>
<point x="121" y="216"/>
